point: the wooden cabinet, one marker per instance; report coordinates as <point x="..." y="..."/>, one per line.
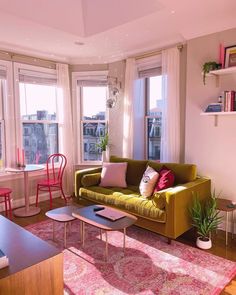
<point x="35" y="267"/>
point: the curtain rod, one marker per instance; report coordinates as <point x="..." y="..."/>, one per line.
<point x="155" y="52"/>
<point x="13" y="56"/>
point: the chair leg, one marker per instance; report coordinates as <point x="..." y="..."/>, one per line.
<point x="5" y="200"/>
<point x="37" y="196"/>
<point x="50" y="193"/>
<point x="63" y="194"/>
<point x="9" y="206"/>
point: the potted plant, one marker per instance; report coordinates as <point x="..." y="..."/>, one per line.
<point x="102" y="145"/>
<point x="205" y="218"/>
<point x="209" y="66"/>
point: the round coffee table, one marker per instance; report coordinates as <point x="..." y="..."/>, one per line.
<point x="64" y="215"/>
<point x="88" y="215"/>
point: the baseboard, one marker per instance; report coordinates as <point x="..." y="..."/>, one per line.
<point x="21" y="202"/>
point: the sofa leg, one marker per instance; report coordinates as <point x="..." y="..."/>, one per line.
<point x="169" y="241"/>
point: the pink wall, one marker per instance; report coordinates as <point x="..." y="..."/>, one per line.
<point x="212" y="148"/>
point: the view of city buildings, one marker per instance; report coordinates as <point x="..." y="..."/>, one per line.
<point x="39" y="139"/>
<point x="92" y="132"/>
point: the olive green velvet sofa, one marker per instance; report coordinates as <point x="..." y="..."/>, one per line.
<point x="166" y="213"/>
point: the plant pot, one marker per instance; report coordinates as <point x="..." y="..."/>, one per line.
<point x="204" y="244"/>
<point x="104" y="156"/>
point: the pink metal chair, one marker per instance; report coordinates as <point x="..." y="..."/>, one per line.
<point x="5" y="193"/>
<point x="55" y="166"/>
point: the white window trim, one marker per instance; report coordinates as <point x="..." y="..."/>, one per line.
<point x="18" y="121"/>
<point x="76" y="103"/>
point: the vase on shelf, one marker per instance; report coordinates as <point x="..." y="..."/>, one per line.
<point x="105" y="156"/>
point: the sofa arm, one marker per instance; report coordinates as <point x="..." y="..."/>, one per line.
<point x="178" y="202"/>
<point x="78" y="177"/>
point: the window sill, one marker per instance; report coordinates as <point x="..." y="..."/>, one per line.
<point x="5" y="176"/>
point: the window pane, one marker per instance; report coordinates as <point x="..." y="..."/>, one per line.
<point x="39" y="141"/>
<point x="154" y="138"/>
<point x="91" y="134"/>
<point x="38" y="102"/>
<point x="94" y="103"/>
<point x="155" y="101"/>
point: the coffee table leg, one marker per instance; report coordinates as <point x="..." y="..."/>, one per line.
<point x="106" y="249"/>
<point x="65" y="226"/>
<point x="124" y="240"/>
<point x="100" y="234"/>
<point x="53" y="230"/>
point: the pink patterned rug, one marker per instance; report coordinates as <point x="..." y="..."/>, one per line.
<point x="150" y="266"/>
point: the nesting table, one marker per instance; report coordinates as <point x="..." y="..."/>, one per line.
<point x="227" y="207"/>
<point x="88" y="215"/>
<point x="62" y="215"/>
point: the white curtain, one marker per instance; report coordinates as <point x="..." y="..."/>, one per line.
<point x="128" y="118"/>
<point x="66" y="131"/>
<point x="170" y="138"/>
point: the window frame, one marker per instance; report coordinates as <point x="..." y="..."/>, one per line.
<point x="18" y="120"/>
<point x="148" y="116"/>
<point x="77" y="113"/>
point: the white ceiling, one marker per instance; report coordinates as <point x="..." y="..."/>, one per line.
<point x="110" y="29"/>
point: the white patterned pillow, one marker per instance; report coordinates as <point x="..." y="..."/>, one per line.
<point x="148" y="182"/>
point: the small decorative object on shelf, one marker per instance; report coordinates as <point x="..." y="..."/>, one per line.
<point x="230" y="56"/>
<point x="214" y="107"/>
<point x="209" y="66"/>
<point x="103" y="145"/>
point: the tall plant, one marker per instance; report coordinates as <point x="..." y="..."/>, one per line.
<point x="205" y="216"/>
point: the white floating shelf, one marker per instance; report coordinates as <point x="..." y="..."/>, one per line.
<point x="217" y="113"/>
<point x="226" y="71"/>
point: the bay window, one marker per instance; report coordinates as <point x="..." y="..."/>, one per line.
<point x="38" y="113"/>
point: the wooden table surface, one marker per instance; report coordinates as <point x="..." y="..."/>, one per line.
<point x="222" y="205"/>
<point x="88" y="215"/>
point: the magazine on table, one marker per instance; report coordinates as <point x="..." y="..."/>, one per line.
<point x="4" y="261"/>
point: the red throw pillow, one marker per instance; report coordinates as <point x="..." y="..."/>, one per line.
<point x="166" y="179"/>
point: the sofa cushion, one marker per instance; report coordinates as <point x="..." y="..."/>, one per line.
<point x="183" y="172"/>
<point x="114" y="175"/>
<point x="91" y="179"/>
<point x="148" y="182"/>
<point x="166" y="179"/>
<point x="135" y="169"/>
<point x="125" y="199"/>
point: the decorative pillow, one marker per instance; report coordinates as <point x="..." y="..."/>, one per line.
<point x="91" y="179"/>
<point x="159" y="200"/>
<point x="166" y="179"/>
<point x="113" y="174"/>
<point x="148" y="182"/>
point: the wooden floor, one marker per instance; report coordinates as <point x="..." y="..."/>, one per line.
<point x="219" y="248"/>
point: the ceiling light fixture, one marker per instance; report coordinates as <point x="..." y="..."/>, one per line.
<point x="79" y="43"/>
<point x="114" y="87"/>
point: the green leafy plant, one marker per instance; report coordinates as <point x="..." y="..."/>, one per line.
<point x="103" y="142"/>
<point x="209" y="66"/>
<point x="205" y="216"/>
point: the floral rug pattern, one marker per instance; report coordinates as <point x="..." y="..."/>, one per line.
<point x="148" y="266"/>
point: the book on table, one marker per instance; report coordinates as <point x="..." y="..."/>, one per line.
<point x="111" y="214"/>
<point x="4" y="261"/>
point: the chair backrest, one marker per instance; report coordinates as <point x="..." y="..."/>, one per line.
<point x="56" y="164"/>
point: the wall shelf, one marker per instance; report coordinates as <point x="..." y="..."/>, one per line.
<point x="216" y="114"/>
<point x="226" y="71"/>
